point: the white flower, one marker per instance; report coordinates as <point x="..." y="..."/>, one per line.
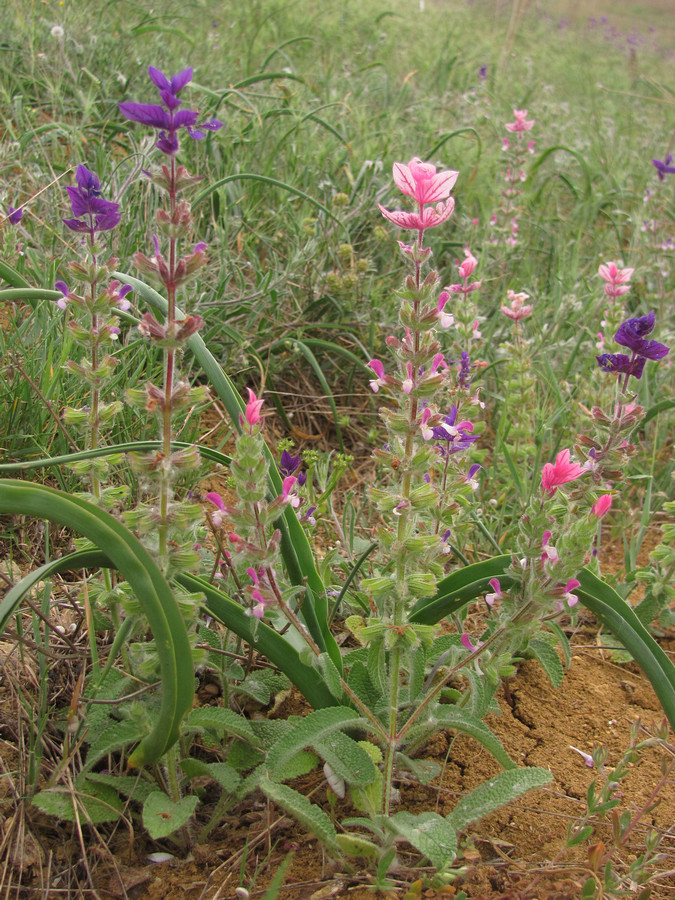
<point x="56" y="32"/>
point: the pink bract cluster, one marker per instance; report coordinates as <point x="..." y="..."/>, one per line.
<point x="425" y="185"/>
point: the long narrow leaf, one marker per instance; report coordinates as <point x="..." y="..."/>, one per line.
<point x="469" y="583"/>
<point x="83" y="559"/>
<point x="131" y="447"/>
<point x="607" y="606"/>
<point x="460" y="588"/>
<point x="149" y="585"/>
<point x="308" y="679"/>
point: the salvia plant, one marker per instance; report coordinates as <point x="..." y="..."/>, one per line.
<point x="178" y="569"/>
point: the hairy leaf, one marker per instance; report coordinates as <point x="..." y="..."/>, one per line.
<point x="312" y="817"/>
<point x="161" y="816"/>
<point x="496" y="792"/>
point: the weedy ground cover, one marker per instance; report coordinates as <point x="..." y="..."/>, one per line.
<point x="416" y="263"/>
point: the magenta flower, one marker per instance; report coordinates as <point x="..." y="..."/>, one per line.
<point x="217" y="500"/>
<point x="445" y="319"/>
<point x="92" y="213"/>
<point x="571" y="598"/>
<point x="259" y="609"/>
<point x="602" y="505"/>
<point x="168" y="119"/>
<point x="288" y="494"/>
<point x="253" y="407"/>
<point x="559" y="473"/>
<point x="468" y="643"/>
<point x="522" y="123"/>
<point x="497" y="592"/>
<point x="381" y="379"/>
<point x="408" y="382"/>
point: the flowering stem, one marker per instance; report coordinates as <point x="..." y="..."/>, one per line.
<point x="169" y="372"/>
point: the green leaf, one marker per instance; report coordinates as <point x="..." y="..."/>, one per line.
<point x="331" y="676"/>
<point x="114" y="738"/>
<point x="361" y="683"/>
<point x="300" y="763"/>
<point x="496" y="792"/>
<point x="460" y="720"/>
<point x="347" y="759"/>
<point x="94" y="803"/>
<point x="312" y="817"/>
<point x="307" y="732"/>
<point x="147" y="582"/>
<point x="609" y="608"/>
<point x="549" y="660"/>
<point x="227" y="777"/>
<point x="355" y="845"/>
<point x="222" y="721"/>
<point x="429" y="833"/>
<point x="161" y="816"/>
<point x="133" y="787"/>
<point x="424" y="770"/>
<point x="460" y="587"/>
<point x="268" y="642"/>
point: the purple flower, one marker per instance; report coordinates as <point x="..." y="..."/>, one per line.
<point x="621" y="364"/>
<point x="168" y="119"/>
<point x="664" y="168"/>
<point x="288" y="464"/>
<point x="92" y="213"/>
<point x="465" y="370"/>
<point x="454" y="434"/>
<point x="14" y="215"/>
<point x="631" y="335"/>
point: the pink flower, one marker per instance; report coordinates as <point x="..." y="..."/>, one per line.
<point x="588" y="759"/>
<point x="407" y="384"/>
<point x="287" y="494"/>
<point x="422" y="182"/>
<point x="602" y="506"/>
<point x="522" y="123"/>
<point x="427" y="218"/>
<point x="617" y="279"/>
<point x="427" y="430"/>
<point x="571" y="598"/>
<point x="496" y="587"/>
<point x="561" y="472"/>
<point x="378" y="369"/>
<point x="253" y="407"/>
<point x="259" y="609"/>
<point x="217" y="500"/>
<point x="517" y="310"/>
<point x="466" y="642"/>
<point x="548" y="553"/>
<point x="467" y="267"/>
